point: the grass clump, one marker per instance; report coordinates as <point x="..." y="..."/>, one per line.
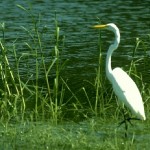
<point x="18" y="92"/>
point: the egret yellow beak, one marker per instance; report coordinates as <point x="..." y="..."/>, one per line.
<point x="100" y="26"/>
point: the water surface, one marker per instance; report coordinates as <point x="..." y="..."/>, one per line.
<point x="75" y="19"/>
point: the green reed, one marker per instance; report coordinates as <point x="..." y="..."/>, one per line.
<point x="54" y="98"/>
<point x="14" y="88"/>
<point x="103" y="94"/>
<point x="140" y="45"/>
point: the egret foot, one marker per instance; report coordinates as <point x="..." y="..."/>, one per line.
<point x="126" y="121"/>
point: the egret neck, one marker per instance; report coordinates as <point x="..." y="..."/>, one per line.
<point x="112" y="47"/>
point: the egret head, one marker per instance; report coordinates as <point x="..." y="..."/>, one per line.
<point x="111" y="27"/>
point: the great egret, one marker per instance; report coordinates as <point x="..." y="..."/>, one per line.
<point x="124" y="87"/>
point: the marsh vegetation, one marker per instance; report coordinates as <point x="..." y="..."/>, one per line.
<point x="39" y="109"/>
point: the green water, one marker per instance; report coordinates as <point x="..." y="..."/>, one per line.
<point x="75" y="19"/>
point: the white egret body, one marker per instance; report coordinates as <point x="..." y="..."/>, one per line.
<point x="123" y="86"/>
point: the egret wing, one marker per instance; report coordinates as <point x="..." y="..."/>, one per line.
<point x="127" y="92"/>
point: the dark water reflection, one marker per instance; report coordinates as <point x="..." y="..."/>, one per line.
<point x="75" y="18"/>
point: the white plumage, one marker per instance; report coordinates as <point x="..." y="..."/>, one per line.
<point x="123" y="86"/>
<point x="128" y="93"/>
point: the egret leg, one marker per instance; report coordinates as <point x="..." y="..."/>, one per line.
<point x="126" y="125"/>
<point x="126" y="121"/>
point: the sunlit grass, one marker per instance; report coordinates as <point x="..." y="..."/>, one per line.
<point x="93" y="134"/>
